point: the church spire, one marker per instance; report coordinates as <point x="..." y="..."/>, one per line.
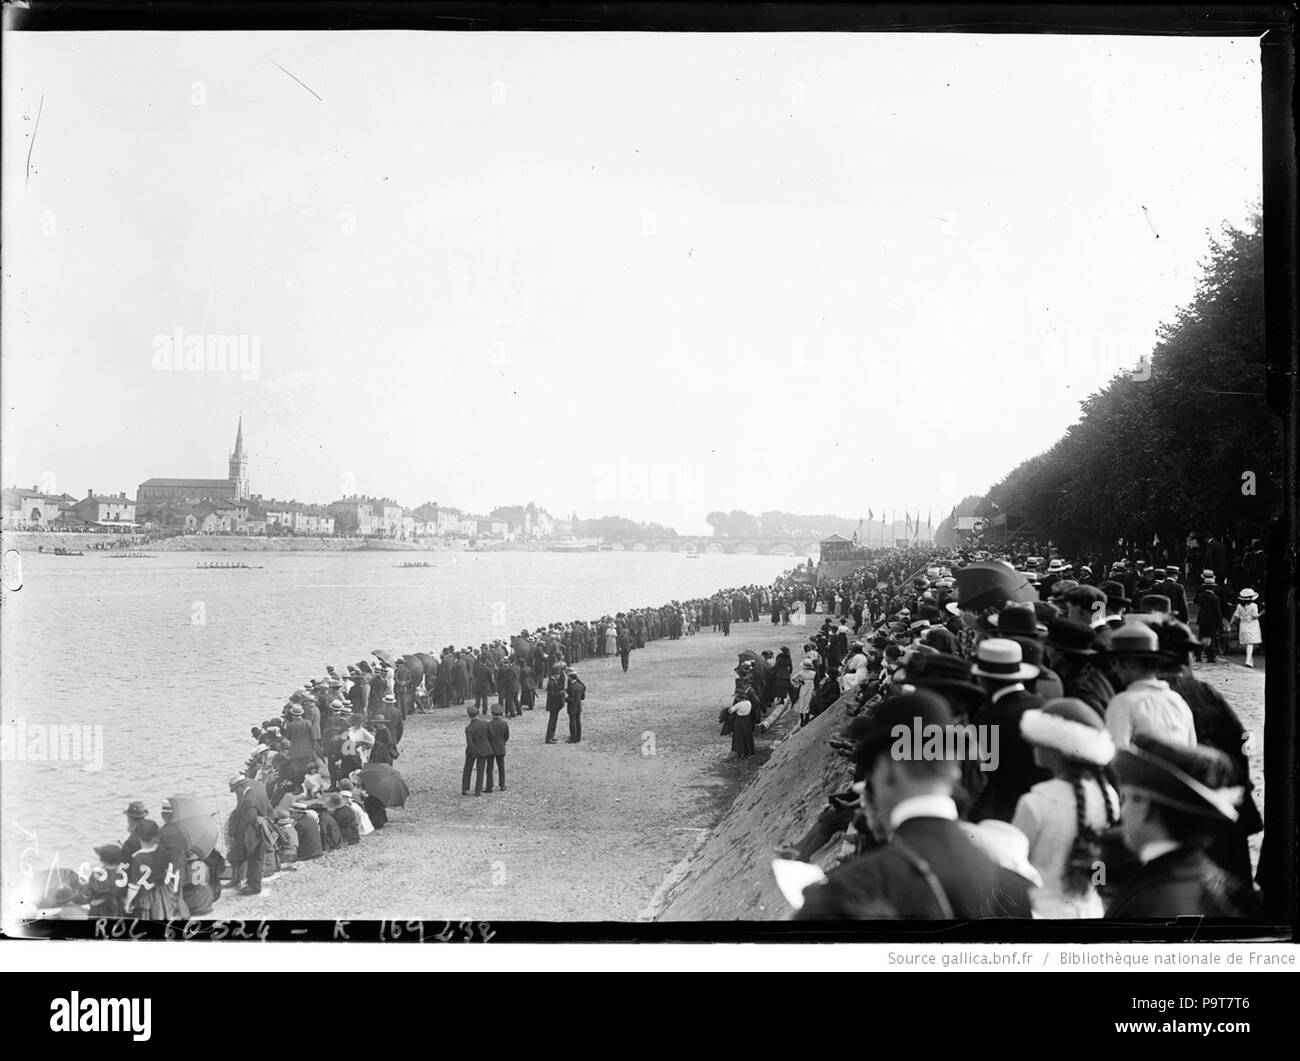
<point x="239" y="464"/>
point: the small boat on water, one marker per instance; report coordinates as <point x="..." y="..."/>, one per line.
<point x="131" y="556"/>
<point x="416" y="563"/>
<point x="227" y="565"/>
<point x="60" y="551"/>
<point x="691" y="556"/>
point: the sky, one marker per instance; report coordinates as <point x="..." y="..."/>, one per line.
<point x="651" y="275"/>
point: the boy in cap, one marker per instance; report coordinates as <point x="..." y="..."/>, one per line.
<point x="498" y="735"/>
<point x="478" y="751"/>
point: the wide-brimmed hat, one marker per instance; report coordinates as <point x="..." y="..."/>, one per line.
<point x="1247" y="594"/>
<point x="1056" y="566"/>
<point x="137" y="809"/>
<point x="335" y="800"/>
<point x="1005" y="845"/>
<point x="1208" y="578"/>
<point x="1069" y="726"/>
<point x="1201" y="780"/>
<point x="917" y="709"/>
<point x="1069" y="636"/>
<point x="989" y="583"/>
<point x="296" y="710"/>
<point x="1135" y="640"/>
<point x="389" y="698"/>
<point x="1015" y="620"/>
<point x="939" y="671"/>
<point x="1003" y="659"/>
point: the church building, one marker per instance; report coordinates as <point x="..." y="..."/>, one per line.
<point x="232" y="488"/>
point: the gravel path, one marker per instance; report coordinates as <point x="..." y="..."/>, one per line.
<point x="585" y="832"/>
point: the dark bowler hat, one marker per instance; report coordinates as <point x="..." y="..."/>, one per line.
<point x="1200" y="780"/>
<point x="1074" y="638"/>
<point x="110" y="854"/>
<point x="1156" y="602"/>
<point x="1135" y="640"/>
<point x="136" y="809"/>
<point x="1114" y="592"/>
<point x="910" y="710"/>
<point x="1015" y="620"/>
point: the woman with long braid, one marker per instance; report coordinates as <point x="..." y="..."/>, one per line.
<point x="1065" y="817"/>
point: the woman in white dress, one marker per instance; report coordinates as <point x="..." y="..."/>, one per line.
<point x="1246" y="617"/>
<point x="804" y="680"/>
<point x="1065" y="817"/>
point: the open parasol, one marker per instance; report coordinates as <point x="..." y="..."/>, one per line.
<point x="387" y="657"/>
<point x="191" y="814"/>
<point x="385" y="784"/>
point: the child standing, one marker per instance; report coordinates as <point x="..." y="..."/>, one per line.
<point x="498" y="734"/>
<point x="478" y="751"/>
<point x="1246" y="618"/>
<point x="153" y="884"/>
<point x="1064" y="818"/>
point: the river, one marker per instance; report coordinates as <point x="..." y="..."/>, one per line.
<point x="169" y="666"/>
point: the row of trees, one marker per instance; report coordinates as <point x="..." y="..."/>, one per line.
<point x="776" y="524"/>
<point x="619" y="528"/>
<point x="1184" y="443"/>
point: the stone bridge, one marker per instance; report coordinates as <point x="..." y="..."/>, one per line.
<point x="763" y="546"/>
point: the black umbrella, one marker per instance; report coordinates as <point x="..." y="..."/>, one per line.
<point x="385" y="784"/>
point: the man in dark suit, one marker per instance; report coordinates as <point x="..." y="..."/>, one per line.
<point x="1071" y="647"/>
<point x="1174" y="799"/>
<point x="1209" y="618"/>
<point x="928" y="868"/>
<point x="1170" y="588"/>
<point x="1002" y="673"/>
<point x="302" y="741"/>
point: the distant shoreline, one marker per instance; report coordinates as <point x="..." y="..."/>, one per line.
<point x="31" y="541"/>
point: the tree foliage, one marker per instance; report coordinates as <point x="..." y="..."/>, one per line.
<point x="1165" y="449"/>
